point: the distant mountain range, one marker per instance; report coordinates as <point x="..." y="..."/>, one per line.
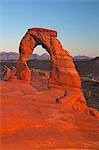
<point x="13" y="56"/>
<point x="81" y="58"/>
<point x="6" y="56"/>
<point x="86" y="66"/>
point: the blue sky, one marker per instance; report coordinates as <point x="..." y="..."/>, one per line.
<point x="76" y="21"/>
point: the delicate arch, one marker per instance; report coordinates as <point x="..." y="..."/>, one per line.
<point x="63" y="69"/>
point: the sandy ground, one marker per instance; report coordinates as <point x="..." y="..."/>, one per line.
<point x="31" y="119"/>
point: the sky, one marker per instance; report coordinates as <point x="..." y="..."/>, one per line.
<point x="76" y="21"/>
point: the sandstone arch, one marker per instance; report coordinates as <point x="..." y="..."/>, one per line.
<point x="63" y="69"/>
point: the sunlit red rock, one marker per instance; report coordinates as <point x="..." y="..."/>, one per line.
<point x="32" y="120"/>
<point x="23" y="72"/>
<point x="63" y="74"/>
<point x="8" y="73"/>
<point x="63" y="69"/>
<point x="50" y="112"/>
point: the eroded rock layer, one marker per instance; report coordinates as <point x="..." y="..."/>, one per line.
<point x="63" y="69"/>
<point x="63" y="74"/>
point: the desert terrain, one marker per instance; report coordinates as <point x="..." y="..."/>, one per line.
<point x="43" y="103"/>
<point x="32" y="120"/>
<point x="87" y="70"/>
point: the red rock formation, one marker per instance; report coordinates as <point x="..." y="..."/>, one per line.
<point x="8" y="73"/>
<point x="63" y="69"/>
<point x="63" y="74"/>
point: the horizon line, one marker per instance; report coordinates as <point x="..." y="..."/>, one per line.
<point x="49" y="54"/>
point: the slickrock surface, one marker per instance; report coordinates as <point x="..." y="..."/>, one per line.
<point x="31" y="119"/>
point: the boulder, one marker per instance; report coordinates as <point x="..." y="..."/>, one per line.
<point x="8" y="73"/>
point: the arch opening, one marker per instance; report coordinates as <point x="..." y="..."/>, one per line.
<point x="40" y="53"/>
<point x="40" y="59"/>
<point x="40" y="66"/>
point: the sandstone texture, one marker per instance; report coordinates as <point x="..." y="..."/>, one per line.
<point x="8" y="73"/>
<point x="32" y="120"/>
<point x="63" y="74"/>
<point x="63" y="69"/>
<point x="23" y="72"/>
